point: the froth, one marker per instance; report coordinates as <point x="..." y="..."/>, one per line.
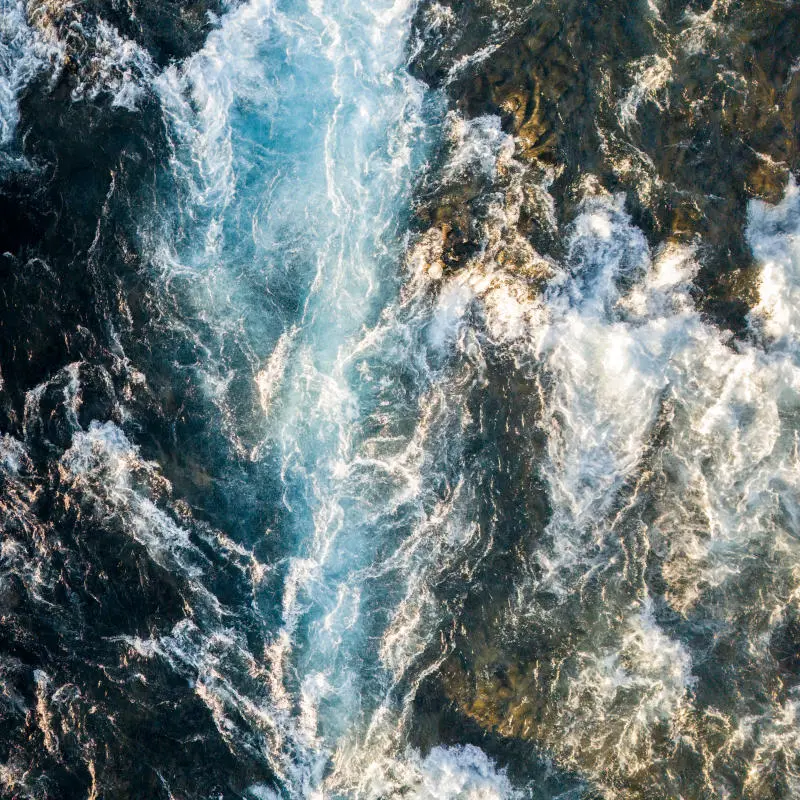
<point x="773" y="233"/>
<point x="22" y="56"/>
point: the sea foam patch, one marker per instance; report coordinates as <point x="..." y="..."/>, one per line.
<point x="23" y="55"/>
<point x="774" y="236"/>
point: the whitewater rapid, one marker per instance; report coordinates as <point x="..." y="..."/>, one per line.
<point x="547" y="482"/>
<point x="298" y="136"/>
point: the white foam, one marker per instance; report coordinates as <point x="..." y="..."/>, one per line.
<point x="12" y="453"/>
<point x="116" y="66"/>
<point x="438" y="18"/>
<point x="269" y="378"/>
<point x="40" y="37"/>
<point x="697" y="37"/>
<point x="22" y="56"/>
<point x="651" y="75"/>
<point x="478" y="147"/>
<point x="622" y="693"/>
<point x="621" y="343"/>
<point x="453" y="302"/>
<point x="461" y="772"/>
<point x="773" y="233"/>
<point x="777" y="745"/>
<point x="445" y="773"/>
<point x="621" y="337"/>
<point x="106" y="467"/>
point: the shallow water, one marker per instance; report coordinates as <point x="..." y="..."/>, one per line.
<point x="329" y="515"/>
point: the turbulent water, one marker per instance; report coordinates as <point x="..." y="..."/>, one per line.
<point x="358" y="441"/>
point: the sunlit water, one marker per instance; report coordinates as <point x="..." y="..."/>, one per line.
<point x="346" y="371"/>
<point x="297" y="137"/>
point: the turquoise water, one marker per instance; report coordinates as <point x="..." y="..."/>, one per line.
<point x="298" y="137"/>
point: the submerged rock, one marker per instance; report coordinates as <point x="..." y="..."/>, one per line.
<point x="689" y="110"/>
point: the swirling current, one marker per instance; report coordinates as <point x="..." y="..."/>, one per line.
<point x="399" y="399"/>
